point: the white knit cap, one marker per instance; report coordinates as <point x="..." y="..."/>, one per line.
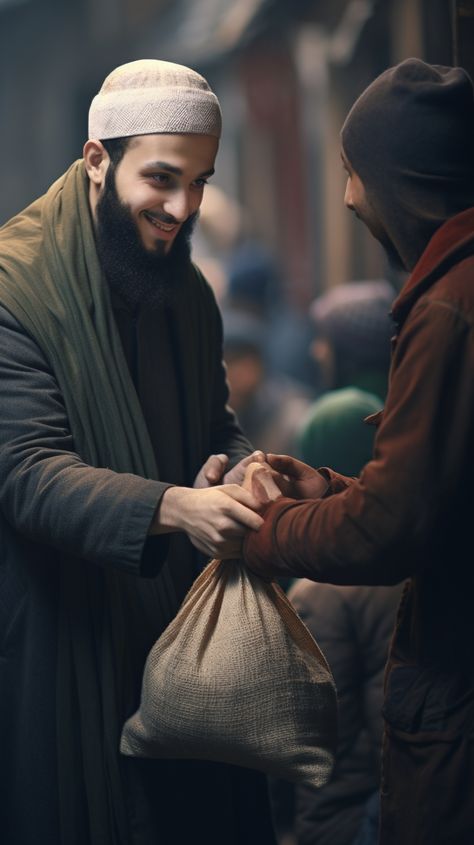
<point x="152" y="96"/>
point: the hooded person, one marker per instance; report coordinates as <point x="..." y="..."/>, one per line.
<point x="120" y="465"/>
<point x="417" y="166"/>
<point x="407" y="149"/>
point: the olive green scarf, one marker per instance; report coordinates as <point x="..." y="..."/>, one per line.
<point x="51" y="282"/>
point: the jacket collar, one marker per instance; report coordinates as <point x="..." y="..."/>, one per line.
<point x="450" y="244"/>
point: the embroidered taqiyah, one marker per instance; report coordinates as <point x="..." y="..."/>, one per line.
<point x="153" y="96"/>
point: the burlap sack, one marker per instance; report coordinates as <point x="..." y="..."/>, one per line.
<point x="237" y="678"/>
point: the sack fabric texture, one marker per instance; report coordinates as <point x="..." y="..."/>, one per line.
<point x="236" y="677"/>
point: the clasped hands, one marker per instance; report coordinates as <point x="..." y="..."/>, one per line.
<point x="223" y="505"/>
<point x="236" y="498"/>
<point x="267" y="476"/>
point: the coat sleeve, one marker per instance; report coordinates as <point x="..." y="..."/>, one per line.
<point x="47" y="493"/>
<point x="381" y="527"/>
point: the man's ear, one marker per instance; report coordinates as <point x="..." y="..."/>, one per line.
<point x="96" y="161"/>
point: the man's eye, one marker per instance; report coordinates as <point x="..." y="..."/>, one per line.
<point x="161" y="178"/>
<point x="199" y="183"/>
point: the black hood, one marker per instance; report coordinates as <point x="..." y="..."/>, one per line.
<point x="410" y="139"/>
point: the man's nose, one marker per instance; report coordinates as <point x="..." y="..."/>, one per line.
<point x="177" y="205"/>
<point x="348" y="196"/>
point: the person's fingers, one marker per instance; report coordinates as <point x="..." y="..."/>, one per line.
<point x="244" y="507"/>
<point x="283" y="464"/>
<point x="237" y="473"/>
<point x="263" y="484"/>
<point x="214" y="468"/>
<point x="242" y="495"/>
<point x="257" y="456"/>
<point x="246" y="517"/>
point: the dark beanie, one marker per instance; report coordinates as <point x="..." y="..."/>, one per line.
<point x="355" y="318"/>
<point x="410" y="139"/>
<point x="252" y="275"/>
<point x="243" y="332"/>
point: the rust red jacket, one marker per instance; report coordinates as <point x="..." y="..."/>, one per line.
<point x="411" y="512"/>
<point x="410" y="515"/>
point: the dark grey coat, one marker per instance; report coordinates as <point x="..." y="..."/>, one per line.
<point x="52" y="505"/>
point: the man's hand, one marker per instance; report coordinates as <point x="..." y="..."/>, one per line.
<point x="237" y="474"/>
<point x="215" y="519"/>
<point x="296" y="479"/>
<point x="213" y="472"/>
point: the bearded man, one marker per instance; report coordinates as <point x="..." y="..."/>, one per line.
<point x="114" y="439"/>
<point x="407" y="149"/>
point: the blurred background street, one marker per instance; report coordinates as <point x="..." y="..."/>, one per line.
<point x="286" y="72"/>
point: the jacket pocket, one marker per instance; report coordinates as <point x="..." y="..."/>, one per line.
<point x="428" y="758"/>
<point x="420" y="701"/>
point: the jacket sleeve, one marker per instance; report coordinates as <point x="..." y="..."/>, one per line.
<point x="380" y="529"/>
<point x="47" y="493"/>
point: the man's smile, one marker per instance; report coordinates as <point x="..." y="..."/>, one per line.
<point x="165" y="227"/>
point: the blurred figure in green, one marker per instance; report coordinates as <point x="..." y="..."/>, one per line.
<point x="352" y="350"/>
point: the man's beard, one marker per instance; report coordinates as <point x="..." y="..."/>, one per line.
<point x="393" y="256"/>
<point x="367" y="216"/>
<point x="138" y="275"/>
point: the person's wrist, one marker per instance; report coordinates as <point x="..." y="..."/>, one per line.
<point x="168" y="512"/>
